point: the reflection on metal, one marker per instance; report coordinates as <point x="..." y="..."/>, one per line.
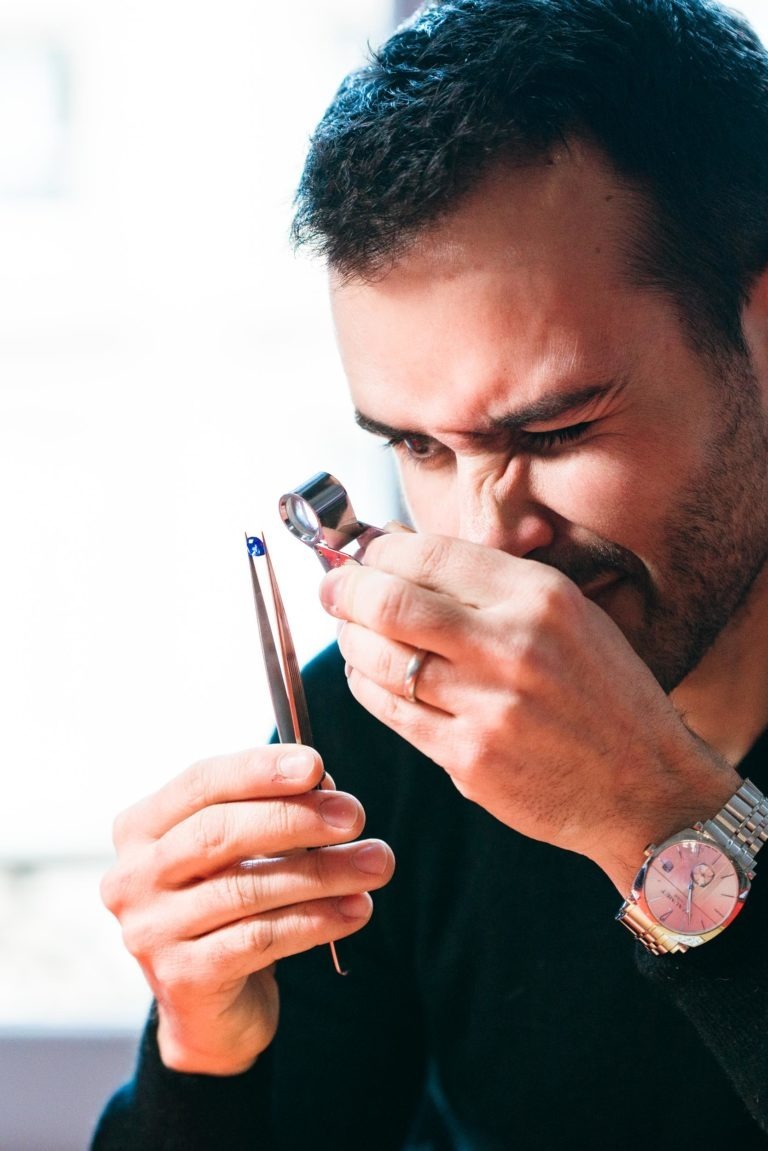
<point x="320" y="514"/>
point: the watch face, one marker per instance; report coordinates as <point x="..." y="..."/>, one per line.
<point x="691" y="887"/>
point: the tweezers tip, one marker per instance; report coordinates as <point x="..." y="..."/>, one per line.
<point x="335" y="957"/>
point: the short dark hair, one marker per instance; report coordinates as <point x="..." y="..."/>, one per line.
<point x="673" y="92"/>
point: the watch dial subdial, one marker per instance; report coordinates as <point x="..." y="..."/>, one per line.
<point x="702" y="875"/>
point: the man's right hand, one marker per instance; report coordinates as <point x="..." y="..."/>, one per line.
<point x="213" y="884"/>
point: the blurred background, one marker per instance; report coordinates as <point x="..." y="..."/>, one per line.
<point x="167" y="370"/>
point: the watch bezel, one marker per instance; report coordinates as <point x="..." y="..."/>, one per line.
<point x="653" y="851"/>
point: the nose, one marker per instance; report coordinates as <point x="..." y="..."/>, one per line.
<point x="496" y="507"/>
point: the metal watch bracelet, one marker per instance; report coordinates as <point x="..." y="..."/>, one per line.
<point x="741" y="826"/>
<point x="652" y="935"/>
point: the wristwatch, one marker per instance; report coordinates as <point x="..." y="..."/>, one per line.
<point x="693" y="885"/>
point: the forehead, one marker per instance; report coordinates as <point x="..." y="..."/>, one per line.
<point x="571" y="198"/>
<point x="524" y="284"/>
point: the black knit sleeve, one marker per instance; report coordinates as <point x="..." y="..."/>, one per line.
<point x="163" y="1110"/>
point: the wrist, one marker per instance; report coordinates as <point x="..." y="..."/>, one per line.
<point x="679" y="800"/>
<point x="227" y="1056"/>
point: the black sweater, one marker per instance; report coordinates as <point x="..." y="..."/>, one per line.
<point x="479" y="1014"/>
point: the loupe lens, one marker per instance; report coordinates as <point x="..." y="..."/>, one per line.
<point x="302" y="519"/>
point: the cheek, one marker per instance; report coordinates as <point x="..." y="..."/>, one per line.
<point x="606" y="492"/>
<point x="613" y="496"/>
<point x="593" y="492"/>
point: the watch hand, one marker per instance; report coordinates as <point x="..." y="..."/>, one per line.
<point x="689" y="900"/>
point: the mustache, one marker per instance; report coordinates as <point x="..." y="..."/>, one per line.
<point x="583" y="563"/>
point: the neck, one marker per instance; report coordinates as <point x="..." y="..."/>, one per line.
<point x="724" y="700"/>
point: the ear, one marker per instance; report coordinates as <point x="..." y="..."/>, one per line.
<point x="754" y="322"/>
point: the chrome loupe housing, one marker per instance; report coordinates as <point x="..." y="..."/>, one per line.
<point x="320" y="514"/>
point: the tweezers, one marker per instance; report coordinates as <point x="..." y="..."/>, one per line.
<point x="286" y="689"/>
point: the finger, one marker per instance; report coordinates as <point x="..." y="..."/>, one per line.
<point x="223" y="835"/>
<point x="475" y="575"/>
<point x="396" y="608"/>
<point x="266" y="885"/>
<point x="427" y="728"/>
<point x="252" y="944"/>
<point x="387" y="663"/>
<point x="493" y="728"/>
<point x="454" y="742"/>
<point x="280" y="769"/>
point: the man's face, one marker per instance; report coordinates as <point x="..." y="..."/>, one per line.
<point x="541" y="404"/>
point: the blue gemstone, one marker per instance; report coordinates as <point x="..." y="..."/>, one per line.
<point x="255" y="546"/>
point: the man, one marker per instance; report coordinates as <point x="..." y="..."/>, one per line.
<point x="546" y="228"/>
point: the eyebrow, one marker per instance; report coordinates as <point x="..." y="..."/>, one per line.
<point x="539" y="411"/>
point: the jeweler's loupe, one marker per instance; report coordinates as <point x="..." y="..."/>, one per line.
<point x="320" y="514"/>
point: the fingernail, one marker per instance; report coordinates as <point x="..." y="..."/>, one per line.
<point x="295" y="764"/>
<point x="340" y="812"/>
<point x="355" y="906"/>
<point x="329" y="590"/>
<point x="373" y="859"/>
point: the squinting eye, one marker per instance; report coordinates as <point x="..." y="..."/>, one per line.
<point x="414" y="447"/>
<point x="541" y="441"/>
<point x="418" y="445"/>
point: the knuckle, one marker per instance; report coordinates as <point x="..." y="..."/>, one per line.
<point x="556" y="597"/>
<point x="112" y="890"/>
<point x="164" y="853"/>
<point x="265" y="937"/>
<point x="383" y="666"/>
<point x="258" y="936"/>
<point x="269" y="936"/>
<point x="465" y="755"/>
<point x="315" y="868"/>
<point x="123" y="827"/>
<point x="172" y="969"/>
<point x="120" y="888"/>
<point x="391" y="604"/>
<point x="195" y="782"/>
<point x="526" y="661"/>
<point x="476" y="747"/>
<point x="134" y="940"/>
<point x="142" y="940"/>
<point x="281" y="820"/>
<point x="436" y="554"/>
<point x="210" y="830"/>
<point x="485" y="749"/>
<point x="243" y="889"/>
<point x="392" y="709"/>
